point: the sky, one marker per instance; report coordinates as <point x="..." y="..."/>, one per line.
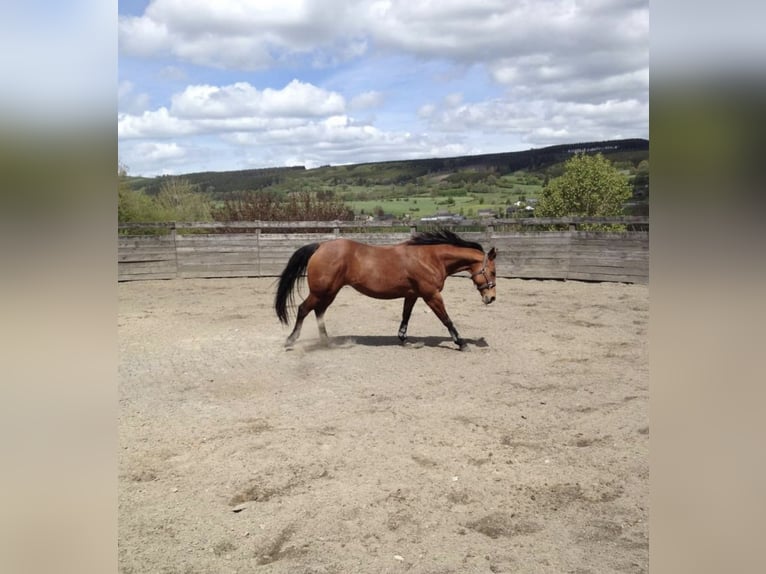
<point x="228" y="85"/>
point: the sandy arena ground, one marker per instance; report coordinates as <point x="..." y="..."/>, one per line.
<point x="528" y="453"/>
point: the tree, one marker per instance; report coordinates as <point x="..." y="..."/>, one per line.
<point x="177" y="200"/>
<point x="589" y="186"/>
<point x="180" y="201"/>
<point x="641" y="180"/>
<point x="133" y="205"/>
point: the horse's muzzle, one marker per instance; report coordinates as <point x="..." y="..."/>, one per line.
<point x="488" y="299"/>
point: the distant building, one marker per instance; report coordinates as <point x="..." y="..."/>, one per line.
<point x="442" y="217"/>
<point x="523" y="211"/>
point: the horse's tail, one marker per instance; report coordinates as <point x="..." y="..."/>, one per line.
<point x="295" y="268"/>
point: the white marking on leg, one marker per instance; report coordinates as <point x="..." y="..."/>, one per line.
<point x="322" y="328"/>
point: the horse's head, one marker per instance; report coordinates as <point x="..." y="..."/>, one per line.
<point x="484" y="277"/>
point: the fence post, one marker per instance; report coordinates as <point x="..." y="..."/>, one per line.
<point x="175" y="245"/>
<point x="258" y="249"/>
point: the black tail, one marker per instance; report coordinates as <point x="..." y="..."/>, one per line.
<point x="295" y="268"/>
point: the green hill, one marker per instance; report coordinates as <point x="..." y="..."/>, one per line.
<point x="465" y="185"/>
<point x="469" y="169"/>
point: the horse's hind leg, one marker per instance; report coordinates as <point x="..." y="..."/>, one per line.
<point x="321" y="325"/>
<point x="304" y="309"/>
<point x="409" y="303"/>
<point x="312" y="303"/>
<point x="319" y="311"/>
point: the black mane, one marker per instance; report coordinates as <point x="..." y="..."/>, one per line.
<point x="442" y="237"/>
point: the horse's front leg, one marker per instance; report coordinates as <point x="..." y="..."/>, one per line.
<point x="436" y="303"/>
<point x="409" y="303"/>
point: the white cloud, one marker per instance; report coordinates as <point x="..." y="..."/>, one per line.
<point x="453" y="100"/>
<point x="366" y="100"/>
<point x="124" y="88"/>
<point x="157" y="123"/>
<point x="143" y="36"/>
<point x="128" y="100"/>
<point x="557" y="71"/>
<point x="206" y="109"/>
<point x="173" y="74"/>
<point x="159" y="158"/>
<point x="153" y="151"/>
<point x="253" y="35"/>
<point x="543" y="122"/>
<point x="339" y="140"/>
<point x="281" y="127"/>
<point x="297" y="99"/>
<point x="426" y="111"/>
<point x="242" y="35"/>
<point x="489" y="29"/>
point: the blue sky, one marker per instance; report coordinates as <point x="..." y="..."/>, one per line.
<point x="248" y="84"/>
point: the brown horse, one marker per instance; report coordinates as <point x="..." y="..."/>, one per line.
<point x="416" y="268"/>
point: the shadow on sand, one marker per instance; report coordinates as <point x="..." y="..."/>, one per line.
<point x="390" y="341"/>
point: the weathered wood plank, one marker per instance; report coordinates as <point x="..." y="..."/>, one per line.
<point x="141" y="266"/>
<point x="148" y="249"/>
<point x="152" y="277"/>
<point x="624" y="260"/>
<point x="612" y="278"/>
<point x="215" y="264"/>
<point x="250" y="270"/>
<point x="137" y="243"/>
<point x="539" y="273"/>
<point x="145" y="269"/>
<point x="144" y="273"/>
<point x="134" y="258"/>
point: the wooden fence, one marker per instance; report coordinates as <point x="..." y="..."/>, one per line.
<point x="261" y="249"/>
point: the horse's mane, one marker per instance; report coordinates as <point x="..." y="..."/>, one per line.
<point x="442" y="237"/>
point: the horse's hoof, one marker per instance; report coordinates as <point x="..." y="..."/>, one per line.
<point x="463" y="347"/>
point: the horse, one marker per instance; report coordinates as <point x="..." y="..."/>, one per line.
<point x="416" y="268"/>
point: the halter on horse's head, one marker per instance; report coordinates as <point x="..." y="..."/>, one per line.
<point x="486" y="285"/>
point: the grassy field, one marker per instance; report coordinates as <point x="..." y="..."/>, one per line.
<point x="441" y="196"/>
<point x="415" y="207"/>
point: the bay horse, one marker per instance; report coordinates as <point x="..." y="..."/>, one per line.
<point x="416" y="268"/>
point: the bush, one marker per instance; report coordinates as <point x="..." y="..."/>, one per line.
<point x="297" y="206"/>
<point x="177" y="200"/>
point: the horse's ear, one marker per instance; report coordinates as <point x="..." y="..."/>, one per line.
<point x="492" y="254"/>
